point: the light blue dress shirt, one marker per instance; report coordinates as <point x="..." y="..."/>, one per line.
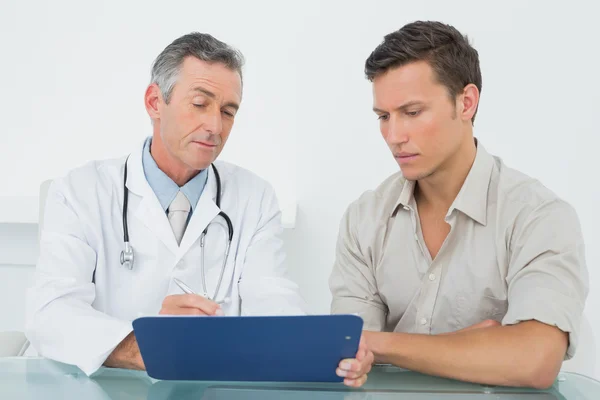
<point x="165" y="188"/>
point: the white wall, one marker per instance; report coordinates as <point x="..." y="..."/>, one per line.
<point x="306" y="111"/>
<point x="18" y="252"/>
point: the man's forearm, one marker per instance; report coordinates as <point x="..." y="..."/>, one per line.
<point x="126" y="355"/>
<point x="528" y="354"/>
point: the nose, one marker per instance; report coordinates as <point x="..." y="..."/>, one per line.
<point x="213" y="122"/>
<point x="395" y="132"/>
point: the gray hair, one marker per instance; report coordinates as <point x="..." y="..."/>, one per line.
<point x="165" y="69"/>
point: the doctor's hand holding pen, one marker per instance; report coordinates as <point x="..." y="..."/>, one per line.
<point x="189" y="304"/>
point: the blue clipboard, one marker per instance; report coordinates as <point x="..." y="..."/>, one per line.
<point x="274" y="349"/>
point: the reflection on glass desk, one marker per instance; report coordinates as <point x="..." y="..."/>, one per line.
<point x="37" y="378"/>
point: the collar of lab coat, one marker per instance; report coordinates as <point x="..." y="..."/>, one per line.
<point x="151" y="213"/>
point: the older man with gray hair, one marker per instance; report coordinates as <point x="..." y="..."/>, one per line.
<point x="155" y="208"/>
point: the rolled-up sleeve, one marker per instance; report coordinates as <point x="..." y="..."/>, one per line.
<point x="352" y="280"/>
<point x="547" y="277"/>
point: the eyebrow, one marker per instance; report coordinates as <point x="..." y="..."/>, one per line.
<point x="210" y="94"/>
<point x="402" y="107"/>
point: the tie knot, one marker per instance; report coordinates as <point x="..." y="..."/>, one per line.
<point x="180" y="203"/>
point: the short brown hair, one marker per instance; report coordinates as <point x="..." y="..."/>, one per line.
<point x="454" y="61"/>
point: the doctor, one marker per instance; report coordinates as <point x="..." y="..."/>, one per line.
<point x="118" y="233"/>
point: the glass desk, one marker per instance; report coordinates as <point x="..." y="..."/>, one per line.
<point x="38" y="378"/>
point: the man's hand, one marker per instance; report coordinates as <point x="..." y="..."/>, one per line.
<point x="189" y="304"/>
<point x="355" y="370"/>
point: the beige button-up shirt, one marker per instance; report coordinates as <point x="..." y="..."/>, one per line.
<point x="515" y="252"/>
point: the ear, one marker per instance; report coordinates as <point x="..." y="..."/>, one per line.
<point x="470" y="101"/>
<point x="152" y="101"/>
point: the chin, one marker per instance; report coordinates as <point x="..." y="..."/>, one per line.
<point x="411" y="177"/>
<point x="197" y="161"/>
<point x="201" y="166"/>
<point x="413" y="174"/>
<point x="197" y="164"/>
<point x="409" y="173"/>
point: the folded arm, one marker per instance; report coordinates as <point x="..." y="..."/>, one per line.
<point x="526" y="354"/>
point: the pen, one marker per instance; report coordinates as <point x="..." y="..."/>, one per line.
<point x="188" y="290"/>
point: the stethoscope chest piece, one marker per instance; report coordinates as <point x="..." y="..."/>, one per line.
<point x="127" y="256"/>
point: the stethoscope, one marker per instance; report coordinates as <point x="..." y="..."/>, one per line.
<point x="127" y="256"/>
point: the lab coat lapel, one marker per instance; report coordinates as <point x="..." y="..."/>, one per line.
<point x="205" y="211"/>
<point x="149" y="210"/>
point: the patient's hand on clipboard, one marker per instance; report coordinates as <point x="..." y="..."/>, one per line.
<point x="355" y="370"/>
<point x="189" y="304"/>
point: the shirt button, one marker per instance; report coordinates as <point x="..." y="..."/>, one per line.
<point x="432" y="277"/>
<point x="423" y="321"/>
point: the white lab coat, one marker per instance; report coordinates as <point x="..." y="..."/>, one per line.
<point x="74" y="321"/>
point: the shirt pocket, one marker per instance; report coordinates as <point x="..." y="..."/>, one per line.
<point x="472" y="309"/>
<point x="494" y="308"/>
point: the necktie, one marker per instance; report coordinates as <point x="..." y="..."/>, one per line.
<point x="178" y="215"/>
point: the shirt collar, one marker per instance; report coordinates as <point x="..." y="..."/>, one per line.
<point x="164" y="187"/>
<point x="406" y="195"/>
<point x="473" y="195"/>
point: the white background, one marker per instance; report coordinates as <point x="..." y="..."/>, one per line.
<point x="73" y="74"/>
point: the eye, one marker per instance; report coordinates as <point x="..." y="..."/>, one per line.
<point x="383" y="117"/>
<point x="199" y="105"/>
<point x="413" y="113"/>
<point x="229" y="114"/>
